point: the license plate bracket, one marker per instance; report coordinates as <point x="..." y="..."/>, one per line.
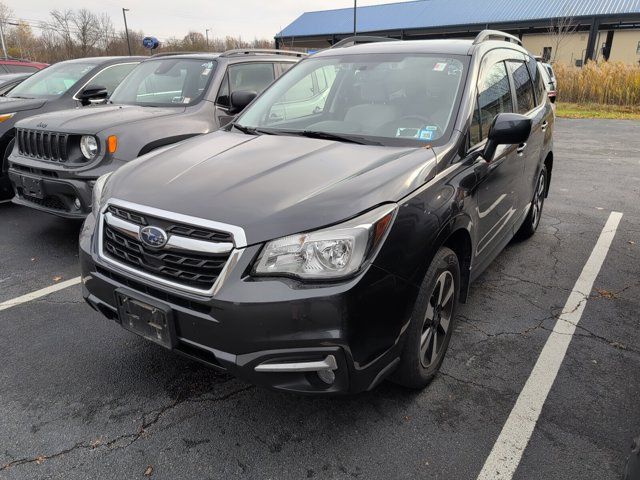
<point x="146" y="317"/>
<point x="32" y="186"/>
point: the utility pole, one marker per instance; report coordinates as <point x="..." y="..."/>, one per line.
<point x="355" y="17"/>
<point x="4" y="48"/>
<point x="207" y="35"/>
<point x="126" y="29"/>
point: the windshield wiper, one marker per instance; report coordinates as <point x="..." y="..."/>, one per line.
<point x="338" y="137"/>
<point x="245" y="130"/>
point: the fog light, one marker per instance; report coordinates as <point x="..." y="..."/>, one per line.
<point x="327" y="376"/>
<point x="77" y="204"/>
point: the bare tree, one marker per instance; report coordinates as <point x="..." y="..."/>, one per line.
<point x="87" y="30"/>
<point x="107" y="32"/>
<point x="62" y="24"/>
<point x="560" y="29"/>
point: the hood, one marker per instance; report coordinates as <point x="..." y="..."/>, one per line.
<point x="271" y="185"/>
<point x="9" y="104"/>
<point x="93" y="119"/>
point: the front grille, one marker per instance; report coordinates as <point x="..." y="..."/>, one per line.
<point x="197" y="270"/>
<point x="44" y="145"/>
<point x="172" y="228"/>
<point x="51" y="202"/>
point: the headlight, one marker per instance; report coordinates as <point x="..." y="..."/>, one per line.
<point x="89" y="146"/>
<point x="331" y="253"/>
<point x="97" y="191"/>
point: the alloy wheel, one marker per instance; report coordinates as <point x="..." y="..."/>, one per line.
<point x="437" y="319"/>
<point x="538" y="200"/>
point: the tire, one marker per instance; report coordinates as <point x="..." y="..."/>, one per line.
<point x="421" y="356"/>
<point x="530" y="224"/>
<point x="6" y="190"/>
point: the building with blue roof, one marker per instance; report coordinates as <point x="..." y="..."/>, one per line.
<point x="568" y="31"/>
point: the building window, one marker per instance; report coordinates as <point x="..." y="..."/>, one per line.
<point x="546" y="54"/>
<point x="638" y="49"/>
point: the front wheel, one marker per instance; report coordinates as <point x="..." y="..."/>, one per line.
<point x="429" y="332"/>
<point x="532" y="221"/>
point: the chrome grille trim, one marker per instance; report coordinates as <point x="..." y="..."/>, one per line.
<point x="236" y="249"/>
<point x="174" y="242"/>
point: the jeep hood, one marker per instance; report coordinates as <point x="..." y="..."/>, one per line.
<point x="271" y="185"/>
<point x="93" y="119"/>
<point x="10" y="104"/>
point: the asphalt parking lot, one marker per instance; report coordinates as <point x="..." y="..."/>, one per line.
<point x="82" y="398"/>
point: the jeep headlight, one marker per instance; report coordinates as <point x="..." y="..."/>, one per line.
<point x="97" y="191"/>
<point x="89" y="146"/>
<point x="330" y="253"/>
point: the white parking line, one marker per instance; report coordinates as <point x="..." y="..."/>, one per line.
<point x="38" y="293"/>
<point x="514" y="437"/>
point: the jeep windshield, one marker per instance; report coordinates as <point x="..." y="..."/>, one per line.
<point x="165" y="82"/>
<point x="53" y="81"/>
<point x="388" y="99"/>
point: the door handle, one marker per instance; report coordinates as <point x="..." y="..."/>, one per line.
<point x="521" y="148"/>
<point x="545" y="125"/>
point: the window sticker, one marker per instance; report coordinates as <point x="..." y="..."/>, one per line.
<point x="432" y="128"/>
<point x="439" y="67"/>
<point x="408" y="132"/>
<point x="426" y="135"/>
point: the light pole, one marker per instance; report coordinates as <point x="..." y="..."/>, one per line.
<point x="207" y="35"/>
<point x="4" y="48"/>
<point x="355" y="17"/>
<point x="126" y="29"/>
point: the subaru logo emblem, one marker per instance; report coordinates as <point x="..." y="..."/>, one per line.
<point x="153" y="237"/>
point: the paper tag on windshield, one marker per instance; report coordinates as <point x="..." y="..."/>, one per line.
<point x="439" y="67"/>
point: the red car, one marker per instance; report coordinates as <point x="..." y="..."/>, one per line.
<point x="16" y="65"/>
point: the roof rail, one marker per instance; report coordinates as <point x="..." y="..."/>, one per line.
<point x="360" y="39"/>
<point x="485" y="35"/>
<point x="170" y="54"/>
<point x="260" y="51"/>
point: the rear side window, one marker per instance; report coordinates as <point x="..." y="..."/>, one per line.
<point x="525" y="99"/>
<point x="494" y="97"/>
<point x="535" y="70"/>
<point x="112" y="76"/>
<point x="21" y="68"/>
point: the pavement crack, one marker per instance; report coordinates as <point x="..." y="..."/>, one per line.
<point x="149" y="419"/>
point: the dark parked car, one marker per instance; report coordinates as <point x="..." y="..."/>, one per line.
<point x="10" y="80"/>
<point x="166" y="99"/>
<point x="63" y="85"/>
<point x="324" y="250"/>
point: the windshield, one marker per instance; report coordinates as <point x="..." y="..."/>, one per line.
<point x="53" y="81"/>
<point x="165" y="82"/>
<point x="388" y="99"/>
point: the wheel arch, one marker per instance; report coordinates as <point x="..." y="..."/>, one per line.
<point x="163" y="142"/>
<point x="459" y="241"/>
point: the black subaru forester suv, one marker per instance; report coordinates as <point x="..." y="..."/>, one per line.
<point x="320" y="246"/>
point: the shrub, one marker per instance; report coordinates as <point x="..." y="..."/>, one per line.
<point x="611" y="83"/>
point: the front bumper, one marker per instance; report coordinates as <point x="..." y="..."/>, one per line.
<point x="250" y="325"/>
<point x="63" y="197"/>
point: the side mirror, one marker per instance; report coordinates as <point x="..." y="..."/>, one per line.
<point x="91" y="93"/>
<point x="240" y="99"/>
<point x="506" y="129"/>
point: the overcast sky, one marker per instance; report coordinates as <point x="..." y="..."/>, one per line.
<point x="162" y="18"/>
